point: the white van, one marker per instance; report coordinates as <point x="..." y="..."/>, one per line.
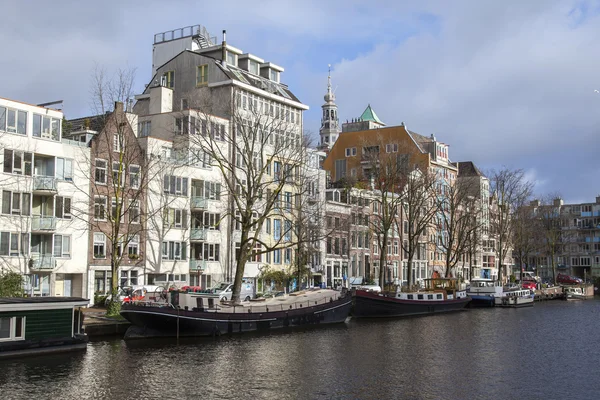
<point x="225" y="290"/>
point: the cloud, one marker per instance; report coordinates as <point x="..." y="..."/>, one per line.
<point x="503" y="83"/>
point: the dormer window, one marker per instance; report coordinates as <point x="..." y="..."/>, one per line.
<point x="253" y="67"/>
<point x="231" y="58"/>
<point x="274" y="75"/>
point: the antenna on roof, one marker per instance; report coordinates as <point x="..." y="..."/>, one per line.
<point x="50" y="103"/>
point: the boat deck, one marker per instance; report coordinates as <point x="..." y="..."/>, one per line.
<point x="290" y="301"/>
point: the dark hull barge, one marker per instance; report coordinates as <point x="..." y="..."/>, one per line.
<point x="208" y="318"/>
<point x="438" y="296"/>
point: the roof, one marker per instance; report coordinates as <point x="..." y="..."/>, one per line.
<point x="419" y="140"/>
<point x="40" y="300"/>
<point x="369" y="115"/>
<point x="468" y="168"/>
<point x="256" y="81"/>
<point x="96" y="123"/>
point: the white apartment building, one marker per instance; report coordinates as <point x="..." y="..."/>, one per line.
<point x="41" y="234"/>
<point x="199" y="88"/>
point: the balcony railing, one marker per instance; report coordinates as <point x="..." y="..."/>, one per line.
<point x="199" y="203"/>
<point x="197" y="265"/>
<point x="44" y="183"/>
<point x="198" y="234"/>
<point x="42" y="261"/>
<point x="40" y="223"/>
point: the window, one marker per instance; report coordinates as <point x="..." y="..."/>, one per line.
<point x="133" y="247"/>
<point x="391" y="148"/>
<point x="175" y="218"/>
<point x="13" y="244"/>
<point x="62" y="208"/>
<point x="208" y="251"/>
<point x="118" y="170"/>
<point x="134" y="176"/>
<point x="62" y="246"/>
<point x="211" y="221"/>
<point x="168" y="79"/>
<point x="13" y="121"/>
<point x="134" y="212"/>
<point x="277" y="256"/>
<point x="175" y="185"/>
<point x="12" y="328"/>
<point x="99" y="245"/>
<point x="144" y="128"/>
<point x="288" y="231"/>
<point x="17" y="162"/>
<point x="100" y="173"/>
<point x="99" y="207"/>
<point x="16" y="203"/>
<point x="46" y="127"/>
<point x="274" y="75"/>
<point x="268" y="226"/>
<point x="277" y="229"/>
<point x="64" y="169"/>
<point x="182" y="125"/>
<point x="118" y="142"/>
<point x="350" y="151"/>
<point x="253" y="67"/>
<point x="174" y="250"/>
<point x="202" y="75"/>
<point x="287" y="256"/>
<point x="231" y="58"/>
<point x="129" y="278"/>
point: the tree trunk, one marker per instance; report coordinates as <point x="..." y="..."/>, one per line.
<point x="114" y="306"/>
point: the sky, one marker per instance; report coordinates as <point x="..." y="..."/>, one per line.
<point x="504" y="83"/>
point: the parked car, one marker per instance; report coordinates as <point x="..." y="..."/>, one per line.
<point x="225" y="290"/>
<point x="529" y="285"/>
<point x="568" y="280"/>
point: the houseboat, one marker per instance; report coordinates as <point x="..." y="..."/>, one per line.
<point x="36" y="325"/>
<point x="483" y="292"/>
<point x="439" y="295"/>
<point x="199" y="314"/>
<point x="515" y="298"/>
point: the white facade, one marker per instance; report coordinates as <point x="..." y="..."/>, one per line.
<point x="42" y="235"/>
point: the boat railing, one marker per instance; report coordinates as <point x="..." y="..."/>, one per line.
<point x="244" y="308"/>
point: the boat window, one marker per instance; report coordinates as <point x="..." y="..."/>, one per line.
<point x="439" y="296"/>
<point x="420" y="297"/>
<point x="430" y="296"/>
<point x="410" y="296"/>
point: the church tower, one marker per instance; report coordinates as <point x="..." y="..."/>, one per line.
<point x="330" y="126"/>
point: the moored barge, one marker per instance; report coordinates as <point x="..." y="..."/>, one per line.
<point x="196" y="314"/>
<point x="439" y="295"/>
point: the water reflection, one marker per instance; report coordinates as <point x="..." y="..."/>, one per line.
<point x="548" y="351"/>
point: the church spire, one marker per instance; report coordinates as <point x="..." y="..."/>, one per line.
<point x="330" y="127"/>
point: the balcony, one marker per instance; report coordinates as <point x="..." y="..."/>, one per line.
<point x="198" y="234"/>
<point x="44" y="183"/>
<point x="199" y="203"/>
<point x="197" y="265"/>
<point x="42" y="261"/>
<point x="41" y="223"/>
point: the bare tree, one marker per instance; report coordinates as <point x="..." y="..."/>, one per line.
<point x="509" y="188"/>
<point x="549" y="220"/>
<point x="526" y="234"/>
<point x="118" y="173"/>
<point x="456" y="209"/>
<point x="260" y="158"/>
<point x="388" y="174"/>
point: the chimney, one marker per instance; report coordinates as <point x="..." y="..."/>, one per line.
<point x="118" y="107"/>
<point x="224" y="48"/>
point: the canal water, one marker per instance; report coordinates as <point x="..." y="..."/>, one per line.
<point x="549" y="351"/>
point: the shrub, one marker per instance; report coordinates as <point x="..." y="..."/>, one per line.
<point x="100" y="299"/>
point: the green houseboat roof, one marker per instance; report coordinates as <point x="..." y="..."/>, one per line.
<point x="40" y="303"/>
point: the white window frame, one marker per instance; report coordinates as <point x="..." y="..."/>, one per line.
<point x="12" y="322"/>
<point x="133" y="174"/>
<point x="96" y="203"/>
<point x="99" y="239"/>
<point x="97" y="168"/>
